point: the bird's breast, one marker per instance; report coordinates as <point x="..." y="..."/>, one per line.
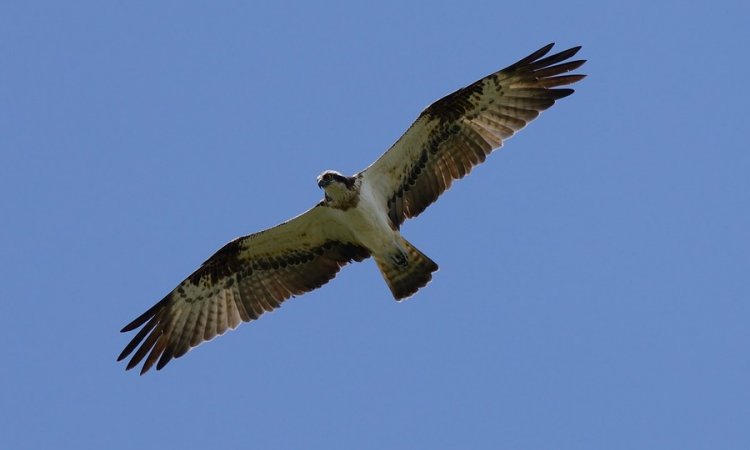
<point x="368" y="221"/>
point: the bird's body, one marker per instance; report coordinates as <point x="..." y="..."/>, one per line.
<point x="368" y="221"/>
<point x="360" y="215"/>
<point x="404" y="268"/>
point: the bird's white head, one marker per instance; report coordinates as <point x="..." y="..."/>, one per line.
<point x="331" y="177"/>
<point x="336" y="185"/>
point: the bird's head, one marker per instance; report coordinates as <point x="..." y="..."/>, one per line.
<point x="335" y="185"/>
<point x="331" y="177"/>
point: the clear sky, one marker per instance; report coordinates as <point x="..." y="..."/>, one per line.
<point x="593" y="290"/>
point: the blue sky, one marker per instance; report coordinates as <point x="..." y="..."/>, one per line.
<point x="593" y="290"/>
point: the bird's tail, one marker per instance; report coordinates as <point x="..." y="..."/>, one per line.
<point x="406" y="271"/>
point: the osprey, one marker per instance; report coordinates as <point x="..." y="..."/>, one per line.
<point x="359" y="216"/>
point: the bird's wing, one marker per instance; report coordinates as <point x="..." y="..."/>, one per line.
<point x="245" y="278"/>
<point x="458" y="131"/>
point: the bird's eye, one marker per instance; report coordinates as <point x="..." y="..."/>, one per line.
<point x="327" y="176"/>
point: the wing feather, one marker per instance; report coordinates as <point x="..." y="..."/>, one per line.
<point x="245" y="278"/>
<point x="459" y="131"/>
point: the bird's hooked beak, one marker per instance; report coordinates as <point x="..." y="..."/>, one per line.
<point x="324" y="181"/>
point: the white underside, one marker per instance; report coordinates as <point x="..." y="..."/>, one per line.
<point x="368" y="222"/>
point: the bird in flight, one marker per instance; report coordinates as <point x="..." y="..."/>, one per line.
<point x="359" y="216"/>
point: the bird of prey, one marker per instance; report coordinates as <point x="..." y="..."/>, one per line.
<point x="359" y="216"/>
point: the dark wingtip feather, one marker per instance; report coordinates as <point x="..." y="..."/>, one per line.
<point x="143" y="318"/>
<point x="136" y="340"/>
<point x="542" y="51"/>
<point x="165" y="358"/>
<point x="563" y="80"/>
<point x="562" y="93"/>
<point x="145" y="368"/>
<point x="559" y="68"/>
<point x="147" y="345"/>
<point x="140" y="320"/>
<point x="553" y="59"/>
<point x="565" y="54"/>
<point x="539" y="53"/>
<point x="131" y="326"/>
<point x="537" y="61"/>
<point x="532" y="57"/>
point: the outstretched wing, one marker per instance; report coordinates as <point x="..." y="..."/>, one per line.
<point x="458" y="131"/>
<point x="245" y="278"/>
